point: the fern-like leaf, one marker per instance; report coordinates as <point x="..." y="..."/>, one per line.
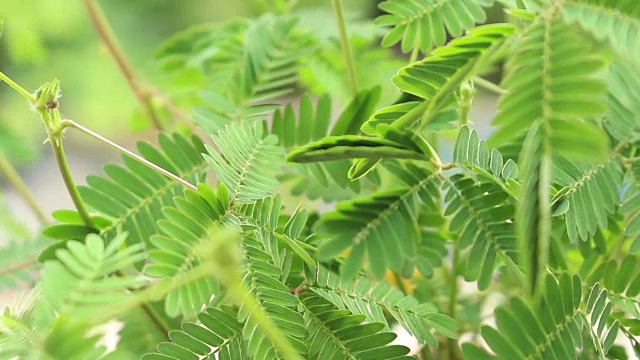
<point x="591" y="193"/>
<point x="337" y="334"/>
<point x="262" y="278"/>
<point x="436" y="77"/>
<point x="623" y="118"/>
<point x="371" y="299"/>
<point x="263" y="65"/>
<point x="423" y="24"/>
<point x="483" y="217"/>
<point x="176" y="249"/>
<point x="551" y="112"/>
<point x="382" y="226"/>
<point x="631" y="207"/>
<point x="617" y="22"/>
<point x="247" y="161"/>
<point x="217" y="333"/>
<point x="567" y="90"/>
<point x="327" y="180"/>
<point x="550" y="329"/>
<point x="130" y="197"/>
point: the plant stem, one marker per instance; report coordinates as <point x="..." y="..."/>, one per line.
<point x="18" y="88"/>
<point x="453" y="299"/>
<point x="63" y="166"/>
<point x="16" y="181"/>
<point x="71" y="123"/>
<point x="414" y="55"/>
<point x="346" y="46"/>
<point x="488" y="85"/>
<point x="19" y="266"/>
<point x="107" y="36"/>
<point x="153" y="315"/>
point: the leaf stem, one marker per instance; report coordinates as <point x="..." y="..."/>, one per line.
<point x="346" y="46"/>
<point x="67" y="178"/>
<point x="140" y="159"/>
<point x="18" y="88"/>
<point x="142" y="92"/>
<point x="488" y="85"/>
<point x="19" y="185"/>
<point x="19" y="266"/>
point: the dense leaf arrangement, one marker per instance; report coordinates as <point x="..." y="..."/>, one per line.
<point x="546" y="212"/>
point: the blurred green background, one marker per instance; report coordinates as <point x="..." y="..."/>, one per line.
<point x="44" y="39"/>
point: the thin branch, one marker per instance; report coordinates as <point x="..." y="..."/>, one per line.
<point x="21" y="188"/>
<point x="346" y="46"/>
<point x="109" y="39"/>
<point x="140" y="159"/>
<point x="19" y="266"/>
<point x="488" y="85"/>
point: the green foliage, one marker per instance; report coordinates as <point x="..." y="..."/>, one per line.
<point x="616" y="22"/>
<point x="217" y="332"/>
<point x="424" y="24"/>
<point x="250" y="159"/>
<point x="542" y="219"/>
<point x="335" y="333"/>
<point x="325" y="180"/>
<point x="381" y="227"/>
<point x="130" y="197"/>
<point x="364" y="297"/>
<point x="178" y="247"/>
<point x="551" y="329"/>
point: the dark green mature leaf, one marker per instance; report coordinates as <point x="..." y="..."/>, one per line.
<point x="338" y="334"/>
<point x="217" y="333"/>
<point x="382" y="226"/>
<point x="326" y="180"/>
<point x="436" y="77"/>
<point x="617" y="22"/>
<point x="246" y="161"/>
<point x="262" y="278"/>
<point x="550" y="329"/>
<point x="423" y="24"/>
<point x="177" y="249"/>
<point x="353" y="146"/>
<point x="373" y="299"/>
<point x="592" y="193"/>
<point x="483" y="217"/>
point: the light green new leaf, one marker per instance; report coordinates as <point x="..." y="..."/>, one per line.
<point x="423" y="24"/>
<point x="246" y="161"/>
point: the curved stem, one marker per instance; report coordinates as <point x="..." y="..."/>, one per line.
<point x="346" y="46"/>
<point x="140" y="159"/>
<point x="63" y="166"/>
<point x="18" y="88"/>
<point x="109" y="39"/>
<point x="21" y="188"/>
